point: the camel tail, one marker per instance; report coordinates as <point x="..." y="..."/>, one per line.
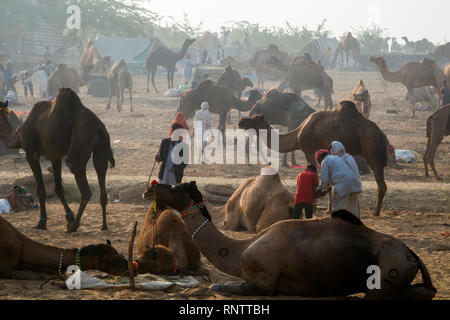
<point x="105" y="146"/>
<point x="424" y="272"/>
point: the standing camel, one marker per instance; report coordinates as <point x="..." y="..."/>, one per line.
<point x="442" y="51"/>
<point x="119" y="79"/>
<point x="259" y="62"/>
<point x="345" y="124"/>
<point x="56" y="129"/>
<point x="412" y="75"/>
<point x="348" y="44"/>
<point x="274" y="261"/>
<point x="163" y="56"/>
<point x="438" y="126"/>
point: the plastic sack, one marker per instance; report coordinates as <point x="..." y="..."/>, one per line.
<point x="405" y="156"/>
<point x="5" y="207"/>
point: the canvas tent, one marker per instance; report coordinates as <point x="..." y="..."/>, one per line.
<point x="133" y="50"/>
<point x="317" y="47"/>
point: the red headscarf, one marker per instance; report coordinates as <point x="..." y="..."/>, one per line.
<point x="180" y="119"/>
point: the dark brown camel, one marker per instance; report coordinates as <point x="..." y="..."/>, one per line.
<point x="285" y="109"/>
<point x="163" y="56"/>
<point x="56" y="129"/>
<point x="119" y="79"/>
<point x="438" y="126"/>
<point x="274" y="261"/>
<point x="63" y="77"/>
<point x="24" y="259"/>
<point x="221" y="100"/>
<point x="359" y="135"/>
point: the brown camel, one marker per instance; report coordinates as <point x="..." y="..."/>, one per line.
<point x="304" y="74"/>
<point x="361" y="96"/>
<point x="56" y="129"/>
<point x="438" y="126"/>
<point x="275" y="261"/>
<point x="347" y="44"/>
<point x="24" y="259"/>
<point x="259" y="62"/>
<point x="447" y="72"/>
<point x="285" y="109"/>
<point x="163" y="56"/>
<point x="88" y="60"/>
<point x="421" y="46"/>
<point x="412" y="75"/>
<point x="221" y="100"/>
<point x="345" y="124"/>
<point x="442" y="51"/>
<point x="63" y="77"/>
<point x="119" y="79"/>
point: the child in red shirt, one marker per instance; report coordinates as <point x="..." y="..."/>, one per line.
<point x="307" y="183"/>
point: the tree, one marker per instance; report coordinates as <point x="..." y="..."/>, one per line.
<point x="371" y="39"/>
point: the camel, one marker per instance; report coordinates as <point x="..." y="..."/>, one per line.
<point x="438" y="126"/>
<point x="119" y="79"/>
<point x="275" y="262"/>
<point x="361" y="96"/>
<point x="442" y="51"/>
<point x="412" y="75"/>
<point x="447" y="72"/>
<point x="88" y="60"/>
<point x="345" y="124"/>
<point x="209" y="41"/>
<point x="62" y="127"/>
<point x="347" y="44"/>
<point x="286" y="109"/>
<point x="22" y="258"/>
<point x="220" y="100"/>
<point x="259" y="62"/>
<point x="304" y="74"/>
<point x="163" y="56"/>
<point x="63" y="77"/>
<point x="421" y="46"/>
<point x="235" y="64"/>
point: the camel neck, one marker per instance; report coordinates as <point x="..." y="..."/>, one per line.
<point x="287" y="142"/>
<point x="8" y="135"/>
<point x="223" y="252"/>
<point x="388" y="75"/>
<point x="182" y="52"/>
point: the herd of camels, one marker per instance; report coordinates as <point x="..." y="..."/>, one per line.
<point x="183" y="225"/>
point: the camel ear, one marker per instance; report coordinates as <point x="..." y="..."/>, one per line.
<point x="108" y="242"/>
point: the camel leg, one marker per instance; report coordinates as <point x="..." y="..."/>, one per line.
<point x="293" y="162"/>
<point x="101" y="166"/>
<point x="222" y="122"/>
<point x="432" y="152"/>
<point x="8" y="273"/>
<point x="172" y="75"/>
<point x="37" y="173"/>
<point x="153" y="78"/>
<point x="85" y="191"/>
<point x="130" y="91"/>
<point x="379" y="178"/>
<point x="122" y="96"/>
<point x="59" y="190"/>
<point x="110" y="93"/>
<point x="168" y="77"/>
<point x="411" y="99"/>
<point x="426" y="156"/>
<point x="118" y="97"/>
<point x="148" y="80"/>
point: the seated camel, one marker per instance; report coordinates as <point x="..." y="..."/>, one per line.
<point x="438" y="126"/>
<point x="295" y="257"/>
<point x="22" y="258"/>
<point x="119" y="79"/>
<point x="63" y="77"/>
<point x="221" y="100"/>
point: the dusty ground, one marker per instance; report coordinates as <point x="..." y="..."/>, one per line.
<point x="415" y="209"/>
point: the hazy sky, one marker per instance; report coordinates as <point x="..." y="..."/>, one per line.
<point x="413" y="18"/>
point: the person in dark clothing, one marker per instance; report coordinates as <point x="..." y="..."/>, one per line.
<point x="171" y="173"/>
<point x="307" y="183"/>
<point x="445" y="94"/>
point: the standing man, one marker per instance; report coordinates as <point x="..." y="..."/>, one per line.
<point x="188" y="66"/>
<point x="346" y="186"/>
<point x="307" y="183"/>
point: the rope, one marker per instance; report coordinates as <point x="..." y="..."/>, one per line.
<point x="151" y="173"/>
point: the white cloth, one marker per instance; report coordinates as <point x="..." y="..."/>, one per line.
<point x="204" y="117"/>
<point x="169" y="173"/>
<point x="338" y="149"/>
<point x="337" y="173"/>
<point x="41" y="77"/>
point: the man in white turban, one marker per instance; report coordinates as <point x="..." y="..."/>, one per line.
<point x="204" y="117"/>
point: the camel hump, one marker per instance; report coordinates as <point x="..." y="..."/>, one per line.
<point x="346" y="216"/>
<point x="347" y="106"/>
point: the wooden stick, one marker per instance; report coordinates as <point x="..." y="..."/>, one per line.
<point x="130" y="256"/>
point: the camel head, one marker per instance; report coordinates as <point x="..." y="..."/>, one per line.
<point x="256" y="122"/>
<point x="362" y="97"/>
<point x="68" y="98"/>
<point x="379" y="61"/>
<point x="188" y="42"/>
<point x="157" y="260"/>
<point x="103" y="257"/>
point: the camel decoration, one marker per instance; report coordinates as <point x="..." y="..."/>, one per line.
<point x="63" y="77"/>
<point x="438" y="126"/>
<point x="347" y="45"/>
<point x="421" y="46"/>
<point x="274" y="261"/>
<point x="163" y="56"/>
<point x="119" y="79"/>
<point x="22" y="258"/>
<point x="442" y="51"/>
<point x="345" y="124"/>
<point x="361" y="96"/>
<point x="412" y="75"/>
<point x="259" y="62"/>
<point x="304" y="74"/>
<point x="285" y="109"/>
<point x="221" y="100"/>
<point x="62" y="127"/>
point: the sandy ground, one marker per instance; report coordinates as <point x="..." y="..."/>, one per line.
<point x="415" y="209"/>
